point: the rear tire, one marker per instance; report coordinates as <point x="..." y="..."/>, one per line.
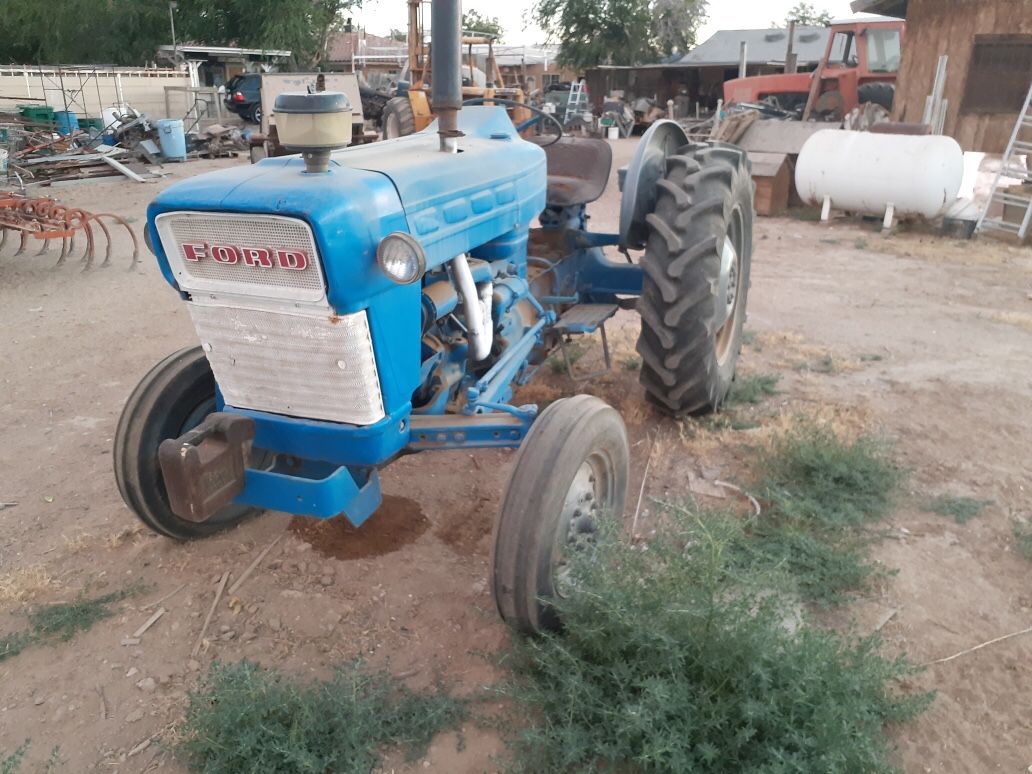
<point x="175" y="396"/>
<point x="699" y="233"/>
<point x="398" y="118"/>
<point x="570" y="471"/>
<point x="883" y="94"/>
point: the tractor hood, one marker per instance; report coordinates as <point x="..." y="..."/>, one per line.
<point x="451" y="203"/>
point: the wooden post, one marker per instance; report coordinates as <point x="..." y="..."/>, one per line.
<point x="743" y="59"/>
<point x="791" y="59"/>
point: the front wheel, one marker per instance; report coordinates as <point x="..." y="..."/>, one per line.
<point x="398" y="118"/>
<point x="696" y="279"/>
<point x="174" y="397"/>
<point x="570" y="471"/>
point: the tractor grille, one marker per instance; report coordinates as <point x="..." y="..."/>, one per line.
<point x="254" y="255"/>
<point x="311" y="365"/>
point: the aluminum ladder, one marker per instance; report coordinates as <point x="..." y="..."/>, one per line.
<point x="576" y="102"/>
<point x="1020" y="144"/>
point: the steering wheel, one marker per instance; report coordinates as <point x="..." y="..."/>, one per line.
<point x="520" y="127"/>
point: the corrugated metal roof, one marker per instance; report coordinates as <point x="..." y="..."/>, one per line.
<point x="763" y="46"/>
<point x="896" y="8"/>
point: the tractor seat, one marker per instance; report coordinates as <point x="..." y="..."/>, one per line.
<point x="578" y="169"/>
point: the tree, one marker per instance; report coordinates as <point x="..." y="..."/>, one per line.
<point x="675" y="24"/>
<point x="128" y="32"/>
<point x="474" y="22"/>
<point x="806" y="15"/>
<point x="618" y="32"/>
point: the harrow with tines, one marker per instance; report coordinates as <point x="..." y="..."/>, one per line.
<point x="26" y="218"/>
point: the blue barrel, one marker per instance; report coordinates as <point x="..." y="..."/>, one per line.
<point x="67" y="122"/>
<point x="172" y="139"/>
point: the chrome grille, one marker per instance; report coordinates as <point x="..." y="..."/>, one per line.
<point x="267" y="232"/>
<point x="316" y="366"/>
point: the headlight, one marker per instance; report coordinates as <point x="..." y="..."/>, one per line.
<point x="401" y="257"/>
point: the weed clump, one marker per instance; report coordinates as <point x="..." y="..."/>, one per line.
<point x="679" y="657"/>
<point x="1023" y="538"/>
<point x="960" y="509"/>
<point x="822" y="496"/>
<point x="244" y="718"/>
<point x="753" y="389"/>
<point x="60" y="622"/>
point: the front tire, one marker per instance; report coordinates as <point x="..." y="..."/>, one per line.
<point x="696" y="279"/>
<point x="570" y="471"/>
<point x="398" y="118"/>
<point x="174" y="397"/>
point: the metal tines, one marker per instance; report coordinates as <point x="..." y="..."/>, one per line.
<point x="44" y="219"/>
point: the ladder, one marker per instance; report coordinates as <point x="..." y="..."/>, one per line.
<point x="1020" y="144"/>
<point x="576" y="102"/>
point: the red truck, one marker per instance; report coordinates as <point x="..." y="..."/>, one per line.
<point x="860" y="65"/>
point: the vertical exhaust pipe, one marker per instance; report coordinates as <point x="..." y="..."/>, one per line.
<point x="446" y="70"/>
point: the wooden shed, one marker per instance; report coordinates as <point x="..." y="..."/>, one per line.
<point x="989" y="43"/>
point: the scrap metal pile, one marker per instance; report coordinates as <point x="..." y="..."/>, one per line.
<point x="24" y="219"/>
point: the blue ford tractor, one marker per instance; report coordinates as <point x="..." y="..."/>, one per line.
<point x="357" y="304"/>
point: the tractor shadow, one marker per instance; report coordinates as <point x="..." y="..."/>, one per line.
<point x="398" y="523"/>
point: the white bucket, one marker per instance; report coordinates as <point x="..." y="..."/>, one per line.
<point x="613" y="133"/>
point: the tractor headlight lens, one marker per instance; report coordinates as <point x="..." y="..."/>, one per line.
<point x="401" y="257"/>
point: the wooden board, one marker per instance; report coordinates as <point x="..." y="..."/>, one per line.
<point x="772" y="174"/>
<point x="780" y="136"/>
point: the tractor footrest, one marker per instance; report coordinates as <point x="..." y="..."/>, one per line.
<point x="585" y="318"/>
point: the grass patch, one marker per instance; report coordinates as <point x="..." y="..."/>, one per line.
<point x="678" y="657"/>
<point x="631" y="363"/>
<point x="60" y="622"/>
<point x="871" y="358"/>
<point x="960" y="509"/>
<point x="752" y="389"/>
<point x="748" y="338"/>
<point x="9" y="764"/>
<point x="861" y="244"/>
<point x="1023" y="538"/>
<point x="246" y="718"/>
<point x="574" y="351"/>
<point x="822" y="494"/>
<point x="825" y="364"/>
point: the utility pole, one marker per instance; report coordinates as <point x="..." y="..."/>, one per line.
<point x="791" y="58"/>
<point x="172" y="5"/>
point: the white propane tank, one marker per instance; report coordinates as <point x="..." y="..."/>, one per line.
<point x="865" y="172"/>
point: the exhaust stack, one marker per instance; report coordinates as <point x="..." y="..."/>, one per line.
<point x="446" y="70"/>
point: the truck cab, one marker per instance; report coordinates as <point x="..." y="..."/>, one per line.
<point x="860" y="64"/>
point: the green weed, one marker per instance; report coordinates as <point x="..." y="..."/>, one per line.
<point x="871" y="358"/>
<point x="752" y="389"/>
<point x="825" y="364"/>
<point x="631" y="363"/>
<point x="246" y="718"/>
<point x="822" y="495"/>
<point x="860" y="244"/>
<point x="960" y="509"/>
<point x="9" y="764"/>
<point x="1023" y="538"/>
<point x="680" y="657"/>
<point x="62" y="621"/>
<point x="749" y="338"/>
<point x="574" y="351"/>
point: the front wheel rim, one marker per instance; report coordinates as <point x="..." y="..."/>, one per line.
<point x="730" y="286"/>
<point x="588" y="499"/>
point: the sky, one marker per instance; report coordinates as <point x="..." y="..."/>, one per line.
<point x="379" y="16"/>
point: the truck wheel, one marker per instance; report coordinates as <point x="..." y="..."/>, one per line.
<point x="883" y="94"/>
<point x="696" y="279"/>
<point x="398" y="119"/>
<point x="176" y="396"/>
<point x="570" y="471"/>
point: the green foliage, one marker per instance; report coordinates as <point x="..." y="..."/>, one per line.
<point x="575" y="350"/>
<point x="825" y="364"/>
<point x="679" y="658"/>
<point x="62" y="621"/>
<point x="805" y="14"/>
<point x="244" y="718"/>
<point x="1023" y="538"/>
<point x="753" y="389"/>
<point x="960" y="509"/>
<point x="474" y="22"/>
<point x="822" y="495"/>
<point x="9" y="764"/>
<point x="631" y="363"/>
<point x="618" y="32"/>
<point x="128" y="32"/>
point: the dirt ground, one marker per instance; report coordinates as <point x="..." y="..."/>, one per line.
<point x="924" y="340"/>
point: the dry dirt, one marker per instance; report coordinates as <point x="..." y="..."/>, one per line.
<point x="930" y="344"/>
